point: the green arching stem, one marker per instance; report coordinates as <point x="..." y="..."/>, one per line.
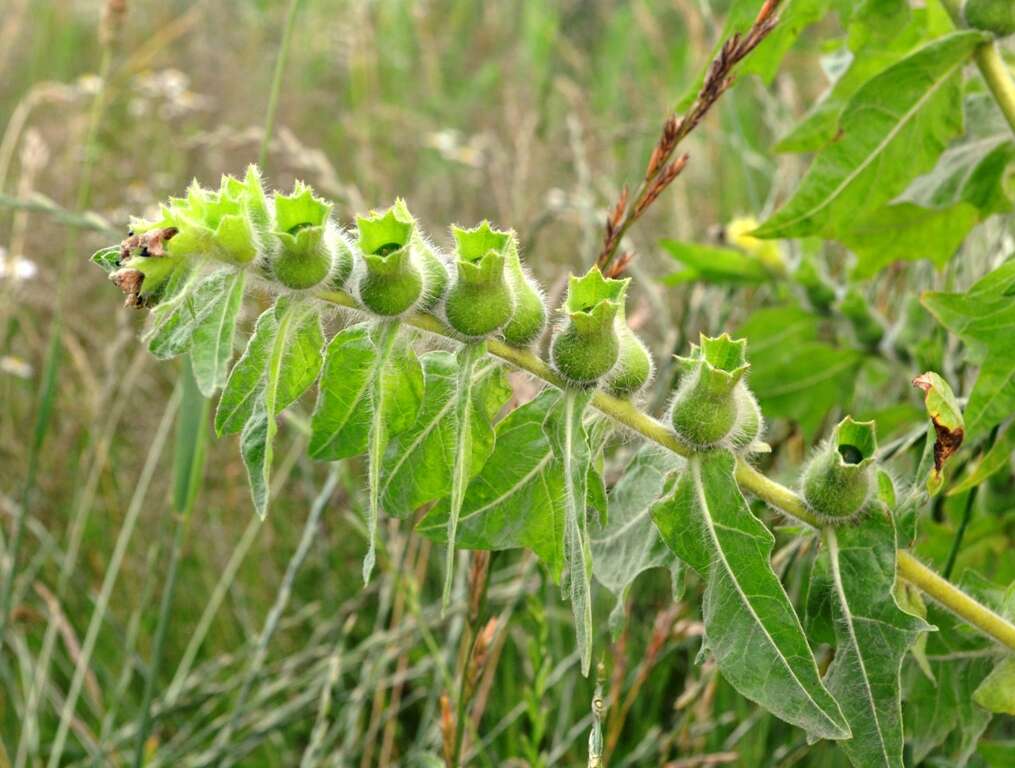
<point x="386" y="331"/>
<point x="467" y="359"/>
<point x="623" y="412"/>
<point x="992" y="67"/>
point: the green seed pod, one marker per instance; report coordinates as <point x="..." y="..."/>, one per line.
<point x="529" y="318"/>
<point x="479" y="301"/>
<point x="705" y="407"/>
<point x="997" y="16"/>
<point x="634" y="366"/>
<point x="839" y="478"/>
<point x="587" y="346"/>
<point x="306" y="252"/>
<point x="435" y="273"/>
<point x="391" y="280"/>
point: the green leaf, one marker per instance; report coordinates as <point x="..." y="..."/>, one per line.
<point x="468" y="431"/>
<point x="419" y="461"/>
<point x="570" y="445"/>
<point x="107" y="259"/>
<point x="340" y="426"/>
<point x="941" y="717"/>
<point x="793" y="375"/>
<point x="211" y="345"/>
<point x="713" y="265"/>
<point x="984" y="318"/>
<point x="996" y="459"/>
<point x="997" y="692"/>
<point x="517" y="499"/>
<point x="894" y="127"/>
<point x="293" y="364"/>
<point x="383" y="335"/>
<point x="176" y="321"/>
<point x="750" y="624"/>
<point x="629" y="544"/>
<point x="907" y="232"/>
<point x="872" y="637"/>
<point x="253" y="449"/>
<point x="246" y="379"/>
<point x="972" y="172"/>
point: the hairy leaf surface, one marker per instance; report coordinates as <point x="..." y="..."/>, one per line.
<point x="340" y="425"/>
<point x="517" y="499"/>
<point x="984" y="318"/>
<point x="211" y="346"/>
<point x="629" y="544"/>
<point x="750" y="625"/>
<point x="176" y="321"/>
<point x="418" y="462"/>
<point x="246" y="379"/>
<point x="857" y="570"/>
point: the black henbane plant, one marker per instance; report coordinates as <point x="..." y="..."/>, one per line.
<point x="432" y="427"/>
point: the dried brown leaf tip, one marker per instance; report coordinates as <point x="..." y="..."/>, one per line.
<point x="945" y="414"/>
<point x="129" y="281"/>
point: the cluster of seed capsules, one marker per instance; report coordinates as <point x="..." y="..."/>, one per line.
<point x="483" y="290"/>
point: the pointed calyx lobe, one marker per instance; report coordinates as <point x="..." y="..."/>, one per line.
<point x="392" y="280"/>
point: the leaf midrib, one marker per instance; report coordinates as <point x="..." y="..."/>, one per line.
<point x="833" y="557"/>
<point x="890" y="137"/>
<point x="699" y="492"/>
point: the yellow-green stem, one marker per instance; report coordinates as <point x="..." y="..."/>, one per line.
<point x="750" y="479"/>
<point x="992" y="67"/>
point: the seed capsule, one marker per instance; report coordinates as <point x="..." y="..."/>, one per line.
<point x="839" y="479"/>
<point x="529" y="318"/>
<point x="587" y="347"/>
<point x="306" y="252"/>
<point x="705" y="407"/>
<point x="479" y="300"/>
<point x="391" y="281"/>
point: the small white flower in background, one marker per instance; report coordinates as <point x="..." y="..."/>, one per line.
<point x="15" y="366"/>
<point x="16" y="268"/>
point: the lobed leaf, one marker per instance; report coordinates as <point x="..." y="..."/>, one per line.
<point x="419" y="460"/>
<point x="629" y="544"/>
<point x="750" y="625"/>
<point x="517" y="499"/>
<point x="340" y="425"/>
<point x="857" y="571"/>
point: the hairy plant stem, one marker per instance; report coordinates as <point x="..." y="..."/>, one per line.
<point x="385" y="331"/>
<point x="991" y="65"/>
<point x="467" y="359"/>
<point x="779" y="496"/>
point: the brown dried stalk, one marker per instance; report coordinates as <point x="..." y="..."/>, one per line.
<point x="662" y="168"/>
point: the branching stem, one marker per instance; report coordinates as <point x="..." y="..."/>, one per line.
<point x="750" y="479"/>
